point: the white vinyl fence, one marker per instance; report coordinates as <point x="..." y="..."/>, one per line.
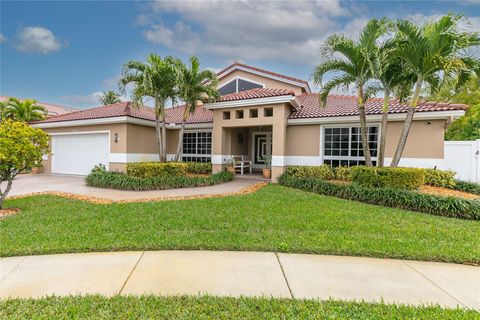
<point x="464" y="158"/>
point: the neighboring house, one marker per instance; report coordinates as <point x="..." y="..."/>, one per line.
<point x="52" y="109"/>
<point x="260" y="113"/>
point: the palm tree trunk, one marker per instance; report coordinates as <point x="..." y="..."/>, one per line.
<point x="163" y="157"/>
<point x="383" y="130"/>
<point x="180" y="140"/>
<point x="363" y="127"/>
<point x="407" y="124"/>
<point x="157" y="131"/>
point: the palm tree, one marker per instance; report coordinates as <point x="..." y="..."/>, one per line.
<point x="156" y="79"/>
<point x="435" y="49"/>
<point x="352" y="68"/>
<point x="109" y="97"/>
<point x="23" y="110"/>
<point x="195" y="85"/>
<point x="394" y="79"/>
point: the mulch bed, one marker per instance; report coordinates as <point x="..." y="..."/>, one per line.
<point x="438" y="191"/>
<point x="8" y="212"/>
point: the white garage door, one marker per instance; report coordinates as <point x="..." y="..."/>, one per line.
<point x="79" y="153"/>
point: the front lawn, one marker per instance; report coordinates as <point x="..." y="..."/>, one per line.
<point x="275" y="218"/>
<point x="150" y="307"/>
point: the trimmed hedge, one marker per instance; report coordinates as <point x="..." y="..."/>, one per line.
<point x="465" y="186"/>
<point x="320" y="172"/>
<point x="199" y="167"/>
<point x="343" y="173"/>
<point x="440" y="178"/>
<point x="119" y="180"/>
<point x="373" y="177"/>
<point x="156" y="169"/>
<point x="390" y="197"/>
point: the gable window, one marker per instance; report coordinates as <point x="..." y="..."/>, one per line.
<point x="197" y="146"/>
<point x="237" y="85"/>
<point x="342" y="146"/>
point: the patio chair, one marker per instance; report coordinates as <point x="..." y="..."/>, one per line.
<point x="240" y="163"/>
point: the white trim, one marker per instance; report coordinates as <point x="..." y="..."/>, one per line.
<point x="252" y="102"/>
<point x="118" y="157"/>
<point x="79" y="132"/>
<point x="419" y="162"/>
<point x="430" y="115"/>
<point x="220" y="158"/>
<point x="303" y="160"/>
<point x="279" y="161"/>
<point x="266" y="75"/>
<point x="91" y="122"/>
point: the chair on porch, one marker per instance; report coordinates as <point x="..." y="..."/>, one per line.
<point x="241" y="164"/>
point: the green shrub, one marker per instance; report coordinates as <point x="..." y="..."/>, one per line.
<point x="199" y="167"/>
<point x="320" y="172"/>
<point x="119" y="180"/>
<point x="440" y="178"/>
<point x="403" y="178"/>
<point x="390" y="197"/>
<point x="343" y="173"/>
<point x="469" y="187"/>
<point x="156" y="169"/>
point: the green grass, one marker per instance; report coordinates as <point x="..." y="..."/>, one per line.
<point x="206" y="307"/>
<point x="275" y="218"/>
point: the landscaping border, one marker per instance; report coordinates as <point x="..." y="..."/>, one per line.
<point x="97" y="200"/>
<point x="390" y="197"/>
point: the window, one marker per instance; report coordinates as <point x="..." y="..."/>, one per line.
<point x="197" y="146"/>
<point x="268" y="112"/>
<point x="342" y="146"/>
<point x="239" y="114"/>
<point x="226" y="115"/>
<point x="253" y="113"/>
<point x="237" y="85"/>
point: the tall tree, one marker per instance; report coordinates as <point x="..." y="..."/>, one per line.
<point x="23" y="110"/>
<point x="352" y="67"/>
<point x="394" y="80"/>
<point x="434" y="50"/>
<point x="108" y="97"/>
<point x="154" y="80"/>
<point x="195" y="85"/>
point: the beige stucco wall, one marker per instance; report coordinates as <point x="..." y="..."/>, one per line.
<point x="426" y="139"/>
<point x="303" y="140"/>
<point x="269" y="83"/>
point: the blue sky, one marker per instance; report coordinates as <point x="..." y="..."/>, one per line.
<point x="65" y="52"/>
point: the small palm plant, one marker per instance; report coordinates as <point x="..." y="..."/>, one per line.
<point x="195" y="85"/>
<point x="109" y="97"/>
<point x="23" y="110"/>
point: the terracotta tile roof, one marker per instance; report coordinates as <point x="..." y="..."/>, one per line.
<point x="340" y="105"/>
<point x="52" y="109"/>
<point x="120" y="109"/>
<point x="239" y="64"/>
<point x="201" y="115"/>
<point x="256" y="93"/>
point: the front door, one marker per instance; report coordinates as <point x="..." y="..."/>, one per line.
<point x="262" y="147"/>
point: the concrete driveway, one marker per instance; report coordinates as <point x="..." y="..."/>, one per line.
<point x="26" y="184"/>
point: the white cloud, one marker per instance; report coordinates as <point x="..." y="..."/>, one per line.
<point x="245" y="30"/>
<point x="37" y="40"/>
<point x="2" y="38"/>
<point x="82" y="100"/>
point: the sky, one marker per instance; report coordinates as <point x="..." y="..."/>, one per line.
<point x="67" y="52"/>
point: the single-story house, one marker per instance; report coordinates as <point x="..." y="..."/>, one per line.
<point x="52" y="109"/>
<point x="259" y="113"/>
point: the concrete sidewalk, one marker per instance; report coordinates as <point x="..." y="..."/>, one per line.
<point x="26" y="184"/>
<point x="242" y="273"/>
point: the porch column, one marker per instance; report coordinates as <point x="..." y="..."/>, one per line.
<point x="220" y="148"/>
<point x="279" y="139"/>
